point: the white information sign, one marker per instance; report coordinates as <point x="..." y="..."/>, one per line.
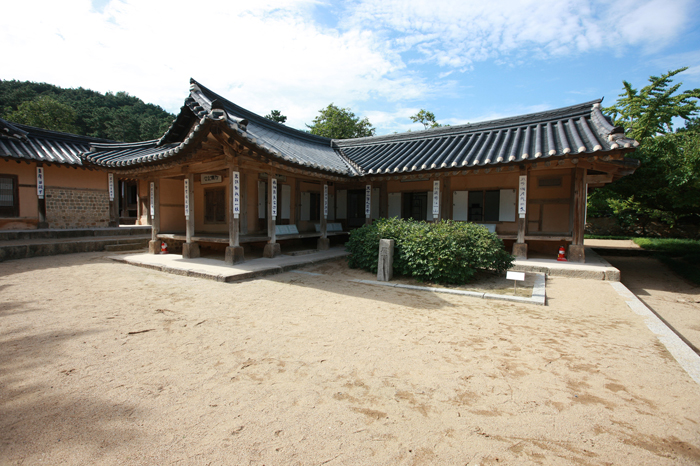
<point x="325" y="201"/>
<point x="518" y="276"/>
<point x="368" y="200"/>
<point x="153" y="200"/>
<point x="436" y="199"/>
<point x="187" y="198"/>
<point x="236" y="194"/>
<point x="40" y="182"/>
<point x="274" y="197"/>
<point x="522" y="196"/>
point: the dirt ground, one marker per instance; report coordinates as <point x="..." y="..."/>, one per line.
<point x="105" y="363"/>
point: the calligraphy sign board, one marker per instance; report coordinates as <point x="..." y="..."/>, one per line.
<point x="368" y="200"/>
<point x="274" y="197"/>
<point x="111" y="186"/>
<point x="40" y="182"/>
<point x="436" y="199"/>
<point x="210" y="179"/>
<point x="522" y="196"/>
<point x="325" y="201"/>
<point x="153" y="199"/>
<point x="236" y="194"/>
<point x="187" y="198"/>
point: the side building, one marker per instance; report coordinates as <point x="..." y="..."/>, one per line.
<point x="44" y="183"/>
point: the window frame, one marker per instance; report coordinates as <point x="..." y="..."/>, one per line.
<point x="11" y="211"/>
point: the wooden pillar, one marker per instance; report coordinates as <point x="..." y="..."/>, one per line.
<point x="383" y="199"/>
<point x="244" y="204"/>
<point x="139" y="212"/>
<point x="446" y="199"/>
<point x="154" y="214"/>
<point x="520" y="247"/>
<point x="272" y="248"/>
<point x="323" y="242"/>
<point x="234" y="251"/>
<point x="190" y="250"/>
<point x="297" y="201"/>
<point x="576" y="249"/>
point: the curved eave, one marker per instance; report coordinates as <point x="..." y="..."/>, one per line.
<point x="557" y="135"/>
<point x="151" y="154"/>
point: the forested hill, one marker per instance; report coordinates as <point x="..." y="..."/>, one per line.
<point x="119" y="117"/>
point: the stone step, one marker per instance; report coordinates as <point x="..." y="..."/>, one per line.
<point x="14" y="235"/>
<point x="19" y="249"/>
<point x="127" y="246"/>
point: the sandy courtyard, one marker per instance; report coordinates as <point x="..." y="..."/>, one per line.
<point x="105" y="363"/>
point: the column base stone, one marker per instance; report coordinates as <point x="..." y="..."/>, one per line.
<point x="234" y="255"/>
<point x="577" y="253"/>
<point x="154" y="246"/>
<point x="190" y="250"/>
<point x="520" y="250"/>
<point x="272" y="250"/>
<point x="323" y="243"/>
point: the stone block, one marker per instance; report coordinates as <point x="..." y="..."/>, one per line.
<point x="576" y="253"/>
<point x="234" y="255"/>
<point x="190" y="250"/>
<point x="520" y="250"/>
<point x="385" y="267"/>
<point x="323" y="244"/>
<point x="154" y="247"/>
<point x="272" y="250"/>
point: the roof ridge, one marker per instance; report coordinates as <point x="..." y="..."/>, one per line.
<point x="254" y="117"/>
<point x="39" y="132"/>
<point x="499" y="123"/>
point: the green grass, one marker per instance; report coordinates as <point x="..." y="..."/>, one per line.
<point x="680" y="255"/>
<point x="607" y="237"/>
<point x="670" y="246"/>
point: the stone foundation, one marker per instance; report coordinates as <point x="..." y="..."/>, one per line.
<point x="77" y="208"/>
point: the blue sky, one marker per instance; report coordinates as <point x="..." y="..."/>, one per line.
<point x="465" y="61"/>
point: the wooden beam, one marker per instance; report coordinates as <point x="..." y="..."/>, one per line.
<point x="189" y="220"/>
<point x="579" y="205"/>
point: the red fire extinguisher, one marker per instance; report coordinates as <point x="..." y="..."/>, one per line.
<point x="562" y="254"/>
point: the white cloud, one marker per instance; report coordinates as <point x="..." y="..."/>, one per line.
<point x="273" y="54"/>
<point x="265" y="56"/>
<point x="457" y="34"/>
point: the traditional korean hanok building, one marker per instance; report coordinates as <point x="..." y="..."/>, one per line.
<point x="44" y="184"/>
<point x="222" y="174"/>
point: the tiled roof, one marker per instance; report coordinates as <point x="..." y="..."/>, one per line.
<point x="279" y="140"/>
<point x="203" y="109"/>
<point x="41" y="145"/>
<point x="579" y="129"/>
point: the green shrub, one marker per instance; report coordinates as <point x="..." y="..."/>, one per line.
<point x="444" y="252"/>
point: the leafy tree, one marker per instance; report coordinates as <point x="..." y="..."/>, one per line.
<point x="111" y="116"/>
<point x="666" y="186"/>
<point x="45" y="112"/>
<point x="276" y="116"/>
<point x="340" y="123"/>
<point x="426" y="118"/>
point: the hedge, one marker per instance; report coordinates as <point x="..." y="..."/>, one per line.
<point x="445" y="252"/>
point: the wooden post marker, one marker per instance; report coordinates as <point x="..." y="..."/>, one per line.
<point x="385" y="267"/>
